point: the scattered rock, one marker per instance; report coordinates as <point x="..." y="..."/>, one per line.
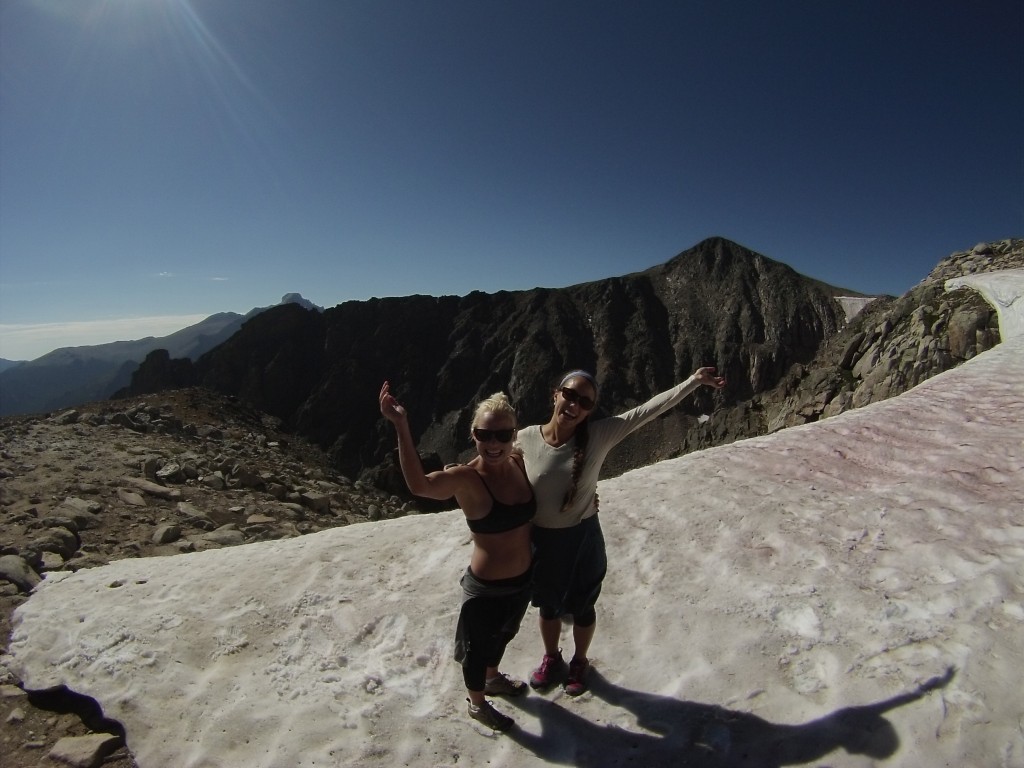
<point x="154" y="489"/>
<point x="15" y="570"/>
<point x="130" y="498"/>
<point x="226" y="537"/>
<point x="166" y="534"/>
<point x="84" y="751"/>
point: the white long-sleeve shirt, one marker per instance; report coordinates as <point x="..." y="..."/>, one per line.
<point x="550" y="468"/>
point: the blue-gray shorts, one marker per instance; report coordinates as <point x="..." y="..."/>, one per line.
<point x="570" y="565"/>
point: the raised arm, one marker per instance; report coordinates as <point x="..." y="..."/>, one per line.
<point x="436" y="485"/>
<point x="706" y="376"/>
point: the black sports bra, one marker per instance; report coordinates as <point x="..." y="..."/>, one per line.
<point x="504" y="517"/>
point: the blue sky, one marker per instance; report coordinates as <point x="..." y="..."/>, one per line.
<point x="163" y="160"/>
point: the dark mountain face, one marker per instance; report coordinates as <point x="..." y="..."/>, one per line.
<point x="72" y="375"/>
<point x="716" y="304"/>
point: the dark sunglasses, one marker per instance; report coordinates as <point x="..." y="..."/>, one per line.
<point x="575" y="397"/>
<point x="501" y="435"/>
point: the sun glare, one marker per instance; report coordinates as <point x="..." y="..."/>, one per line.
<point x="192" y="63"/>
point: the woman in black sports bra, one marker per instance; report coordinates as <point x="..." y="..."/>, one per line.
<point x="499" y="504"/>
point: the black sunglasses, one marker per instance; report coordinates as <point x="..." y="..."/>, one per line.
<point x="575" y="397"/>
<point x="501" y="435"/>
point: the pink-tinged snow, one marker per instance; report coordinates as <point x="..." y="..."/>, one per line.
<point x="846" y="593"/>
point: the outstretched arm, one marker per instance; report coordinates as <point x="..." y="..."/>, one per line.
<point x="614" y="429"/>
<point x="436" y="485"/>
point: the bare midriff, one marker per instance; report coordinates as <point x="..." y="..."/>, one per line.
<point x="501" y="555"/>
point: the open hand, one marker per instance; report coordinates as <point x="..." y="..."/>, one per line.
<point x="706" y="376"/>
<point x="389" y="407"/>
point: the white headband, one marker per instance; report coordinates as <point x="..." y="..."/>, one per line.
<point x="583" y="375"/>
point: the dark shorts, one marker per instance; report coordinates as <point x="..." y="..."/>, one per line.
<point x="570" y="565"/>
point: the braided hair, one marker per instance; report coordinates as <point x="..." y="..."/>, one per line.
<point x="582" y="434"/>
<point x="579" y="457"/>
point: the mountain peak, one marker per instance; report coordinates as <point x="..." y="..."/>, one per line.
<point x="296" y="298"/>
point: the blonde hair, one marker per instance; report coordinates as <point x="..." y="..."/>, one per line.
<point x="499" y="404"/>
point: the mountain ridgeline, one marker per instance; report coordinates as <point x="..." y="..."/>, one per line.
<point x="72" y="375"/>
<point x="716" y="304"/>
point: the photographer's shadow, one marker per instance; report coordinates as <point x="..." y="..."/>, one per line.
<point x="685" y="734"/>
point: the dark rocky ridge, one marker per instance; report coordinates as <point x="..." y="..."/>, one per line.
<point x="716" y="304"/>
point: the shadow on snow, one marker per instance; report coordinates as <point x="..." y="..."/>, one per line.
<point x="685" y="734"/>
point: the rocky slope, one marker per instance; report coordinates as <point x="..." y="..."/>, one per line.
<point x="172" y="473"/>
<point x="895" y="344"/>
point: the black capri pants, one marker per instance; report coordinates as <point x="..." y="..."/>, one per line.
<point x="492" y="610"/>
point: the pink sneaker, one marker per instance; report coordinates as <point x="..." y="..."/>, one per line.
<point x="577" y="680"/>
<point x="552" y="670"/>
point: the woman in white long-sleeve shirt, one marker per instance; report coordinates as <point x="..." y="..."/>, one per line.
<point x="563" y="461"/>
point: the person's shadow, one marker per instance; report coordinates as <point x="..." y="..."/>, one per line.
<point x="685" y="734"/>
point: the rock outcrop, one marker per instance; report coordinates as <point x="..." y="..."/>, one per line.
<point x="891" y="346"/>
